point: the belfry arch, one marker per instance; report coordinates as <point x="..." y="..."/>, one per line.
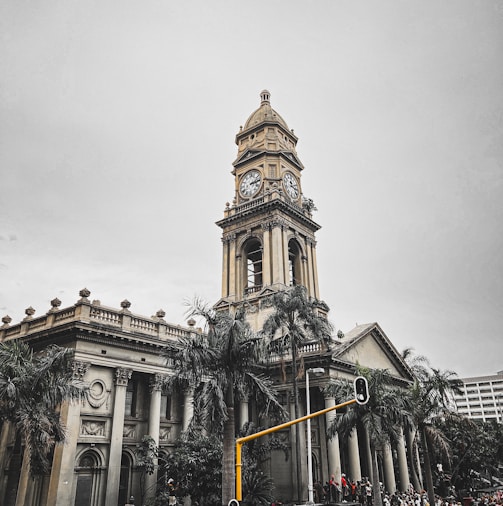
<point x="252" y="265"/>
<point x="295" y="268"/>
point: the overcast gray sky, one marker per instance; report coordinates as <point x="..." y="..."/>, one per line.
<point x="117" y="133"/>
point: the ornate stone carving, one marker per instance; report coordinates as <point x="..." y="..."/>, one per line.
<point x="125" y="304"/>
<point x="29" y="312"/>
<point x="84" y="294"/>
<point x="229" y="237"/>
<point x="161" y="314"/>
<point x="79" y="369"/>
<point x="165" y="434"/>
<point x="129" y="431"/>
<point x="92" y="428"/>
<point x="6" y="320"/>
<point x="55" y="303"/>
<point x="122" y="376"/>
<point x="97" y="394"/>
<point x="277" y="222"/>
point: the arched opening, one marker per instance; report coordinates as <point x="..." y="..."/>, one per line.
<point x="125" y="479"/>
<point x="88" y="469"/>
<point x="294" y="263"/>
<point x="253" y="259"/>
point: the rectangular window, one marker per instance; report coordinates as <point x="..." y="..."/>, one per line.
<point x="166" y="407"/>
<point x="131" y="394"/>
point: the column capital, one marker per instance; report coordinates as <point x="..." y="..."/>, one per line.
<point x="156" y="382"/>
<point x="122" y="376"/>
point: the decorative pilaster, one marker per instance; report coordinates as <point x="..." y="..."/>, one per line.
<point x="154" y="427"/>
<point x="122" y="377"/>
<point x="266" y="266"/>
<point x="63" y="464"/>
<point x="243" y="412"/>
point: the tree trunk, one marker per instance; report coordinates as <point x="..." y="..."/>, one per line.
<point x="228" y="457"/>
<point x="427" y="469"/>
<point x="16" y="461"/>
<point x="376" y="486"/>
<point x="296" y="426"/>
<point x="412" y="452"/>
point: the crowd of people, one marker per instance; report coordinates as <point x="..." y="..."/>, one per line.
<point x="349" y="491"/>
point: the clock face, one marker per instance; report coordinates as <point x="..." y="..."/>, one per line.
<point x="250" y="183"/>
<point x="291" y="185"/>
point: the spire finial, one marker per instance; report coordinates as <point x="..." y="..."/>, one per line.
<point x="265" y="97"/>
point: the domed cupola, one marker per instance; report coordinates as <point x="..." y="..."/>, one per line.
<point x="265" y="130"/>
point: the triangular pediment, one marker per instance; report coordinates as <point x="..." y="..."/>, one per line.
<point x="223" y="303"/>
<point x="368" y="346"/>
<point x="293" y="158"/>
<point x="247" y="155"/>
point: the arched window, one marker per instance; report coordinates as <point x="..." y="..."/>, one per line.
<point x="125" y="479"/>
<point x="294" y="263"/>
<point x="88" y="479"/>
<point x="253" y="258"/>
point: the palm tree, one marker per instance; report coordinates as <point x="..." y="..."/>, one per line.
<point x="430" y="403"/>
<point x="222" y="366"/>
<point x="32" y="389"/>
<point x="380" y="418"/>
<point x="296" y="320"/>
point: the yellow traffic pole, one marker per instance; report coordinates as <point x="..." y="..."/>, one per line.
<point x="238" y="471"/>
<point x="241" y="440"/>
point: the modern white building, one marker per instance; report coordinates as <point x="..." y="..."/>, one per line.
<point x="482" y="398"/>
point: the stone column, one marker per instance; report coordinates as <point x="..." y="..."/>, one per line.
<point x="225" y="267"/>
<point x="277" y="253"/>
<point x="354" y="456"/>
<point x="334" y="455"/>
<point x="403" y="471"/>
<point x="286" y="260"/>
<point x="266" y="255"/>
<point x="154" y="418"/>
<point x="243" y="412"/>
<point x="188" y="408"/>
<point x="310" y="270"/>
<point x="233" y="266"/>
<point x="315" y="270"/>
<point x="63" y="463"/>
<point x="122" y="376"/>
<point x="389" y="472"/>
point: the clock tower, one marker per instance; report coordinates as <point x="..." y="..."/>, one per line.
<point x="268" y="231"/>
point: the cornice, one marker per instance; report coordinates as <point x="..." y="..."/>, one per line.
<point x="267" y="207"/>
<point x="99" y="334"/>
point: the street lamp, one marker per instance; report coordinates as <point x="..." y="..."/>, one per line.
<point x="310" y="499"/>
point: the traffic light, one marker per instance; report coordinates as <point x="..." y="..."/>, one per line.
<point x="361" y="390"/>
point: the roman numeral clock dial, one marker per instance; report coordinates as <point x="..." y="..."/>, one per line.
<point x="291" y="186"/>
<point x="250" y="183"/>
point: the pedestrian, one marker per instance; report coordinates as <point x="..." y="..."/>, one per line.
<point x="171" y="492"/>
